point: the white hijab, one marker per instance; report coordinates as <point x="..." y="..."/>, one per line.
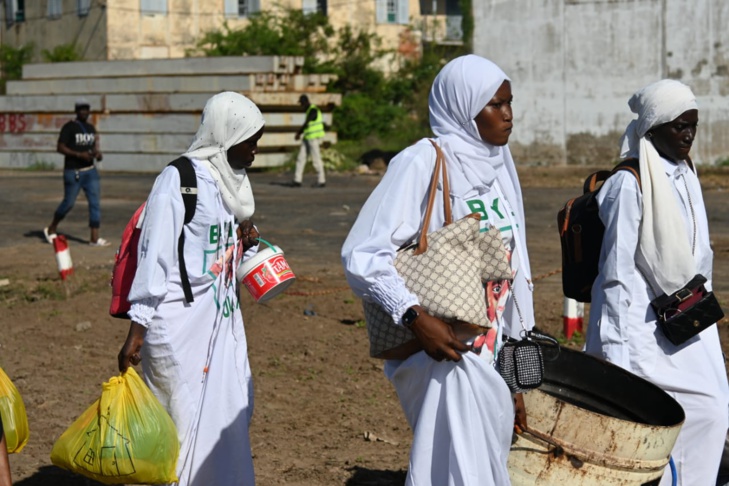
<point x="227" y="120"/>
<point x="460" y="91"/>
<point x="667" y="255"/>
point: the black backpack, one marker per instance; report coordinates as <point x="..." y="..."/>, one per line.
<point x="581" y="232"/>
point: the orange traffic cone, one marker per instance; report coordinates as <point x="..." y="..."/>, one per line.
<point x="573" y="314"/>
<point x="63" y="256"/>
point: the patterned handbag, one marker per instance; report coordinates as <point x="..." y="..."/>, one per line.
<point x="446" y="269"/>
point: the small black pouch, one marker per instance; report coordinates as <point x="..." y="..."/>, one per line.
<point x="688" y="311"/>
<point x="521" y="363"/>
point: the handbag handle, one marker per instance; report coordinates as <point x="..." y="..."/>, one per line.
<point x="440" y="167"/>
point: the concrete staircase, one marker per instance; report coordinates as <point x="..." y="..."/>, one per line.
<point x="147" y="111"/>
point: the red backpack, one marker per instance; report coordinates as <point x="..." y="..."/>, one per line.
<point x="125" y="264"/>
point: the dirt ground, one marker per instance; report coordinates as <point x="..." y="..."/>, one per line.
<point x="324" y="412"/>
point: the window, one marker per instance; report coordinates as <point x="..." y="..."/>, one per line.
<point x="314" y="6"/>
<point x="151" y="7"/>
<point x="14" y="11"/>
<point x="83" y="7"/>
<point x="241" y="8"/>
<point x="55" y="9"/>
<point x="393" y="11"/>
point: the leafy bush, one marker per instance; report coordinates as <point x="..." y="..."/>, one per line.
<point x="291" y="33"/>
<point x="361" y="115"/>
<point x="62" y="53"/>
<point x="387" y="111"/>
<point x="11" y="62"/>
<point x="41" y="165"/>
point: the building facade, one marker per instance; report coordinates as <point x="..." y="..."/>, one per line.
<point x="575" y="63"/>
<point x="152" y="29"/>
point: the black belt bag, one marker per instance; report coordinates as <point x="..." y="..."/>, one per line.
<point x="688" y="311"/>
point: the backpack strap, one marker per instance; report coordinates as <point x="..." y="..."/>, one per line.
<point x="188" y="189"/>
<point x="631" y="165"/>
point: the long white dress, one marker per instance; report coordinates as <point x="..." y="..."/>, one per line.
<point x="194" y="357"/>
<point x="462" y="413"/>
<point x="623" y="326"/>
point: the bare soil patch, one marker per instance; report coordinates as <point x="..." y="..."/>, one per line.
<point x="324" y="412"/>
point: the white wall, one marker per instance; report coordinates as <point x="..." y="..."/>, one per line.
<point x="575" y="63"/>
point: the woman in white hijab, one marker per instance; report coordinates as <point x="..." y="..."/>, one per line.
<point x="460" y="410"/>
<point x="194" y="354"/>
<point x="656" y="240"/>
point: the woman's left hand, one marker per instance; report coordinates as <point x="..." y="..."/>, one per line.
<point x="520" y="415"/>
<point x="248" y="234"/>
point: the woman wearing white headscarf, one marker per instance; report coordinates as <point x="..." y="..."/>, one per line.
<point x="194" y="354"/>
<point x="459" y="408"/>
<point x="656" y="240"/>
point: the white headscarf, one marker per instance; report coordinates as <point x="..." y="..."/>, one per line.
<point x="460" y="91"/>
<point x="227" y="120"/>
<point x="667" y="255"/>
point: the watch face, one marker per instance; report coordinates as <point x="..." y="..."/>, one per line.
<point x="409" y="316"/>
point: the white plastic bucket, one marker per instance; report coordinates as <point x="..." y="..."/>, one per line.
<point x="266" y="274"/>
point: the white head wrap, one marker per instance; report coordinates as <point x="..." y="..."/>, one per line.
<point x="668" y="257"/>
<point x="227" y="120"/>
<point x="460" y="91"/>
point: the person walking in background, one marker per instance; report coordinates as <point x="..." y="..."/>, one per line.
<point x="79" y="144"/>
<point x="312" y="131"/>
<point x="194" y="353"/>
<point x="656" y="240"/>
<point x="459" y="408"/>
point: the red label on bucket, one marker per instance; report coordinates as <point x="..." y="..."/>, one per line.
<point x="266" y="279"/>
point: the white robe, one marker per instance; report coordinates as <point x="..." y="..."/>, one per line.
<point x="461" y="413"/>
<point x="212" y="409"/>
<point x="623" y="326"/>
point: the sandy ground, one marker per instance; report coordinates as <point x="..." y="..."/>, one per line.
<point x="318" y="394"/>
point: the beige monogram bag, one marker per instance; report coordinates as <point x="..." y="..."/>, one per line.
<point x="446" y="269"/>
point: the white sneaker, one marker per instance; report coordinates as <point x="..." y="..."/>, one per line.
<point x="49" y="237"/>
<point x="99" y="242"/>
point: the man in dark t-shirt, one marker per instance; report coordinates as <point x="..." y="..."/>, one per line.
<point x="79" y="143"/>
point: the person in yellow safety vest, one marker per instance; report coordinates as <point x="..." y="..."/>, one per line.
<point x="313" y="132"/>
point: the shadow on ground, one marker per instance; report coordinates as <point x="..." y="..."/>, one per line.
<point x="362" y="476"/>
<point x="56" y="476"/>
<point x="40" y="236"/>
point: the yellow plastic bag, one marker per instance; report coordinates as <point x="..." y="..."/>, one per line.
<point x="125" y="437"/>
<point x="12" y="411"/>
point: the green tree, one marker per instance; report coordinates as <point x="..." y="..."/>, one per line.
<point x="291" y="33"/>
<point x="393" y="107"/>
<point x="353" y="60"/>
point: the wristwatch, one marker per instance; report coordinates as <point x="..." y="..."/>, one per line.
<point x="409" y="317"/>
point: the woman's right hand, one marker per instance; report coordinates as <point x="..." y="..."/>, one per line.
<point x="129" y="353"/>
<point x="437" y="338"/>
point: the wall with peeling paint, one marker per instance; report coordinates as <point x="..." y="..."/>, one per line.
<point x="575" y="63"/>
